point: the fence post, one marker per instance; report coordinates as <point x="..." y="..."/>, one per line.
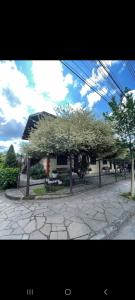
<point x="28" y="177"/>
<point x="99" y="173"/>
<point x="70" y="159"/>
<point x="115" y="171"/>
<point x="124" y="170"/>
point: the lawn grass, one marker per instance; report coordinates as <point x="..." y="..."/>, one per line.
<point x="128" y="195"/>
<point x="40" y="191"/>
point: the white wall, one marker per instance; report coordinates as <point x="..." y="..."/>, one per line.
<point x="54" y="166"/>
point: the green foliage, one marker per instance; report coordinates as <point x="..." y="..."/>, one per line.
<point x="8" y="177"/>
<point x="65" y="179"/>
<point x="2" y="165"/>
<point x="37" y="171"/>
<point x="128" y="196"/>
<point x="122" y="118"/>
<point x="2" y="158"/>
<point x="11" y="160"/>
<point x="54" y="171"/>
<point x="82" y="165"/>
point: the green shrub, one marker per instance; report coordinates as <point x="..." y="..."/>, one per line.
<point x="8" y="177"/>
<point x="10" y="160"/>
<point x="65" y="180"/>
<point x="37" y="171"/>
<point x="2" y="165"/>
<point x="54" y="171"/>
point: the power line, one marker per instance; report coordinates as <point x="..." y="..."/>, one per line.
<point x="83" y="80"/>
<point x="108" y="79"/>
<point x="88" y="76"/>
<point x="111" y="77"/>
<point x="101" y="74"/>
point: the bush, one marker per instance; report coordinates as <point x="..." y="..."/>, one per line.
<point x="54" y="171"/>
<point x="37" y="171"/>
<point x="8" y="177"/>
<point x="65" y="180"/>
<point x="89" y="169"/>
<point x="10" y="160"/>
<point x="2" y="165"/>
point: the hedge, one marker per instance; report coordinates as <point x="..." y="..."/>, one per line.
<point x="8" y="177"/>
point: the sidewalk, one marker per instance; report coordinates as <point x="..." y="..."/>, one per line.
<point x="92" y="214"/>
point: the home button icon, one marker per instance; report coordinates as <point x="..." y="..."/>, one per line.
<point x="67" y="292"/>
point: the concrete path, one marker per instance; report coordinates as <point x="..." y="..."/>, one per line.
<point x="93" y="214"/>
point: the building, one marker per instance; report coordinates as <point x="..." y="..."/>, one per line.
<point x="61" y="162"/>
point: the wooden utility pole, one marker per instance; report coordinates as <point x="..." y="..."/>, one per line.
<point x="28" y="176"/>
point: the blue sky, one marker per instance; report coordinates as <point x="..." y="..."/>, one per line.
<point x="28" y="87"/>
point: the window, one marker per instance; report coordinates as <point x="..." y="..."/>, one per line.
<point x="104" y="162"/>
<point x="62" y="159"/>
<point x="93" y="160"/>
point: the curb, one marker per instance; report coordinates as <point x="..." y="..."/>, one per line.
<point x="33" y="197"/>
<point x="108" y="232"/>
<point x="13" y="197"/>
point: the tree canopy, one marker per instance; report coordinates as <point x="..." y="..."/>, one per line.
<point x="72" y="132"/>
<point x="122" y="120"/>
<point x="11" y="160"/>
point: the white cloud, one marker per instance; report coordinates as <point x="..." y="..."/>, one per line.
<point x="97" y="76"/>
<point x="94" y="97"/>
<point x="110" y="62"/>
<point x="48" y="77"/>
<point x="13" y="79"/>
<point x="51" y="86"/>
<point x="85" y="88"/>
<point x="14" y="142"/>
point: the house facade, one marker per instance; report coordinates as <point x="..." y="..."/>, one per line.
<point x="61" y="162"/>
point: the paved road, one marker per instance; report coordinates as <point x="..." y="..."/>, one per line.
<point x="79" y="217"/>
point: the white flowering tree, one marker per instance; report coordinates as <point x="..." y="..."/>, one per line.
<point x="72" y="133"/>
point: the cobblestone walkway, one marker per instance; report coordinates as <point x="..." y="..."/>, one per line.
<point x="85" y="215"/>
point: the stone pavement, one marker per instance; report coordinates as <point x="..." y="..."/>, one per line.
<point x="127" y="231"/>
<point x="93" y="214"/>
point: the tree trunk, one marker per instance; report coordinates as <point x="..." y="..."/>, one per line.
<point x="99" y="173"/>
<point x="28" y="177"/>
<point x="132" y="174"/>
<point x="70" y="160"/>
